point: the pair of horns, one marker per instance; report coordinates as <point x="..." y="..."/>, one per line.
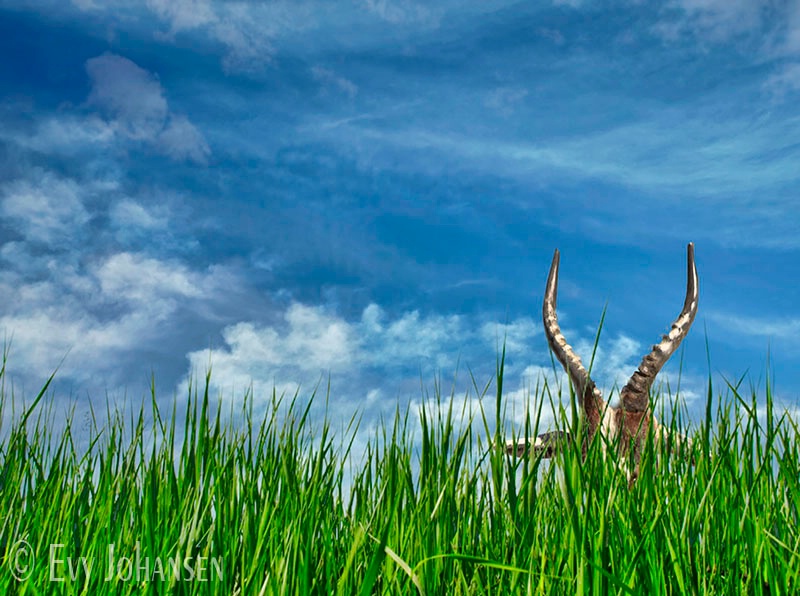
<point x="634" y="397"/>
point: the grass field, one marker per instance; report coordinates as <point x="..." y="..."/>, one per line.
<point x="272" y="506"/>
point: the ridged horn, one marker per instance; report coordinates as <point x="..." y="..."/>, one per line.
<point x="635" y="396"/>
<point x="588" y="394"/>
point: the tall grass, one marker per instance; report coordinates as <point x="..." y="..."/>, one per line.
<point x="271" y="506"/>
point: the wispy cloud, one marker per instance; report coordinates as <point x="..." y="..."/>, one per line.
<point x="571" y="3"/>
<point x="137" y="280"/>
<point x="516" y="337"/>
<point x="784" y="84"/>
<point x="65" y="134"/>
<point x="505" y="99"/>
<point x="771" y="32"/>
<point x="330" y="80"/>
<point x="403" y="12"/>
<point x="183" y="15"/>
<point x="671" y="151"/>
<point x="791" y="32"/>
<point x="710" y="20"/>
<point x="48" y="211"/>
<point x="764" y="327"/>
<point x="100" y="314"/>
<point x="130" y="95"/>
<point x="244" y="30"/>
<point x="134" y="101"/>
<point x="126" y="213"/>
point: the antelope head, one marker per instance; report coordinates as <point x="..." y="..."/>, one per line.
<point x="625" y="426"/>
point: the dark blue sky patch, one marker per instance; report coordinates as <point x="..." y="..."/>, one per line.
<point x="31" y="68"/>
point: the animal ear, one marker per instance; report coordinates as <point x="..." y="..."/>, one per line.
<point x="545" y="445"/>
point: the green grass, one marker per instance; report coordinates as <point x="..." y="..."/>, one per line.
<point x="271" y="506"/>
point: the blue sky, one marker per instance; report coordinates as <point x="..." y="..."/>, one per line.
<point x="373" y="191"/>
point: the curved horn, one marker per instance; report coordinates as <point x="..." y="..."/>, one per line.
<point x="635" y="395"/>
<point x="585" y="388"/>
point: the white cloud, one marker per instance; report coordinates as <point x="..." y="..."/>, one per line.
<point x="133" y="278"/>
<point x="505" y="99"/>
<point x="412" y="339"/>
<point x="403" y="12"/>
<point x="791" y="41"/>
<point x="48" y="211"/>
<point x="130" y="94"/>
<point x="711" y="20"/>
<point x="517" y="336"/>
<point x="183" y="15"/>
<point x="324" y="342"/>
<point x="615" y="361"/>
<point x="785" y="328"/>
<point x="155" y="219"/>
<point x="243" y="29"/>
<point x="41" y="340"/>
<point x="98" y="313"/>
<point x="133" y="100"/>
<point x="66" y="134"/>
<point x="127" y="213"/>
<point x="181" y="140"/>
<point x="314" y="342"/>
<point x="330" y="79"/>
<point x="785" y="83"/>
<point x="310" y="342"/>
<point x="245" y="35"/>
<point x="771" y="29"/>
